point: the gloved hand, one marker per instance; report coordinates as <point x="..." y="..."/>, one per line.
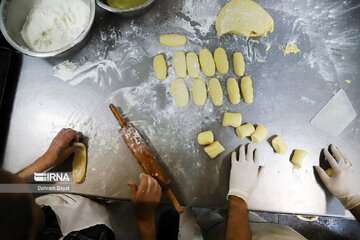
<point x="245" y="173"/>
<point x="344" y="183"/>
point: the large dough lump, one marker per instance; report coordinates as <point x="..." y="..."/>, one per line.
<point x="245" y="18"/>
<point x="206" y="138"/>
<point x="180" y="64"/>
<point x="245" y="130"/>
<point x="207" y="62"/>
<point x="172" y="40"/>
<point x="232" y="119"/>
<point x="260" y="134"/>
<point x="180" y="92"/>
<point x="221" y="61"/>
<point x="216" y="92"/>
<point x="233" y="90"/>
<point x="192" y="63"/>
<point x="214" y="149"/>
<point x="247" y="89"/>
<point x="160" y="68"/>
<point x="239" y="64"/>
<point x="199" y="92"/>
<point x="298" y="157"/>
<point x="279" y="145"/>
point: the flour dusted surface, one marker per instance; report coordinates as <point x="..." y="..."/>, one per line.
<point x="53" y="24"/>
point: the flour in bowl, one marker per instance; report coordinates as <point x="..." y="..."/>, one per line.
<point x="53" y="24"/>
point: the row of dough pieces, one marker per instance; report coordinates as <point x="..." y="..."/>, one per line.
<point x="181" y="94"/>
<point x="189" y="63"/>
<point x="247" y="130"/>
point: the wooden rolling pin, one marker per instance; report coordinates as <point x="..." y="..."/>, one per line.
<point x="143" y="155"/>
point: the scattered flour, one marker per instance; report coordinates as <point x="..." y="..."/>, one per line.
<point x="68" y="71"/>
<point x="53" y="24"/>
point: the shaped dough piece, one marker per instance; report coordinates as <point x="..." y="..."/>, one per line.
<point x="279" y="145"/>
<point x="233" y="90"/>
<point x="245" y="130"/>
<point x="206" y="138"/>
<point x="239" y="64"/>
<point x="329" y="172"/>
<point x="260" y="134"/>
<point x="79" y="163"/>
<point x="245" y="18"/>
<point x="180" y="64"/>
<point x="214" y="149"/>
<point x="221" y="61"/>
<point x="216" y="92"/>
<point x="199" y="92"/>
<point x="207" y="62"/>
<point x="172" y="40"/>
<point x="298" y="157"/>
<point x="192" y="64"/>
<point x="160" y="68"/>
<point x="180" y="92"/>
<point x="247" y="89"/>
<point x="232" y="119"/>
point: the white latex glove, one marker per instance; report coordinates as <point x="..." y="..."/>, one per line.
<point x="344" y="183"/>
<point x="245" y="173"/>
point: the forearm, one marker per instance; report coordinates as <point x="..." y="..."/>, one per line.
<point x="38" y="166"/>
<point x="356" y="212"/>
<point x="237" y="224"/>
<point x="147" y="230"/>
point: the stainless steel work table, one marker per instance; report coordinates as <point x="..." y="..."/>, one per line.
<point x="288" y="92"/>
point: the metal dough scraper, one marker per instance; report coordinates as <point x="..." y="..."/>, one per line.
<point x="336" y="115"/>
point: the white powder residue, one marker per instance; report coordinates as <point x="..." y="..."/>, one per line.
<point x="68" y="71"/>
<point x="53" y="24"/>
<point x="325" y="24"/>
<point x="308" y="100"/>
<point x="202" y="14"/>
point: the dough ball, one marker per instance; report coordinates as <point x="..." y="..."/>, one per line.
<point x="232" y="119"/>
<point x="180" y="92"/>
<point x="260" y="134"/>
<point x="245" y="18"/>
<point x="192" y="64"/>
<point x="216" y="92"/>
<point x="329" y="172"/>
<point x="206" y="138"/>
<point x="199" y="92"/>
<point x="233" y="90"/>
<point x="245" y="130"/>
<point x="221" y="61"/>
<point x="180" y="64"/>
<point x="172" y="40"/>
<point x="214" y="149"/>
<point x="160" y="68"/>
<point x="279" y="145"/>
<point x="207" y="62"/>
<point x="247" y="89"/>
<point x="298" y="157"/>
<point x="239" y="64"/>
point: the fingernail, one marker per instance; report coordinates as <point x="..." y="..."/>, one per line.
<point x="78" y="149"/>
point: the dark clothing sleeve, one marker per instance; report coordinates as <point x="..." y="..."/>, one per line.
<point x="52" y="230"/>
